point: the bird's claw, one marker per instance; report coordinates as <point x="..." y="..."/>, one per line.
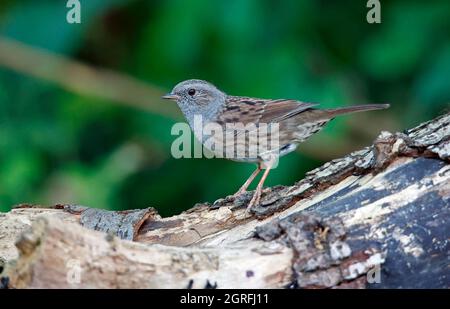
<point x="239" y="194"/>
<point x="254" y="201"/>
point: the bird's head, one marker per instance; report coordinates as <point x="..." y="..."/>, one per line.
<point x="196" y="96"/>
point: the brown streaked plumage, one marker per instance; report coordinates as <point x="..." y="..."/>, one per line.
<point x="296" y="122"/>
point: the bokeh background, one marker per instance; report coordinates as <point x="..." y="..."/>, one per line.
<point x="81" y="120"/>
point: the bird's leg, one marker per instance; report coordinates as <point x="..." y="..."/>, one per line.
<point x="257" y="195"/>
<point x="248" y="181"/>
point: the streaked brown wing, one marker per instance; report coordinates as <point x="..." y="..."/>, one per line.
<point x="250" y="110"/>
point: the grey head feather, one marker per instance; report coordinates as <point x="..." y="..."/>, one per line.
<point x="198" y="97"/>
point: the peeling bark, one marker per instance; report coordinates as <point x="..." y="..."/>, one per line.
<point x="378" y="217"/>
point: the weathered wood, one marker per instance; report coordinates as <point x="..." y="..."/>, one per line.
<point x="383" y="210"/>
<point x="55" y="254"/>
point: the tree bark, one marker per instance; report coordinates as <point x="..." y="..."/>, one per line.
<point x="376" y="218"/>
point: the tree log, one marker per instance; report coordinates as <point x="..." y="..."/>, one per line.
<point x="376" y="218"/>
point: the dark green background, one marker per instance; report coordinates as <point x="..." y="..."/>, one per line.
<point x="57" y="146"/>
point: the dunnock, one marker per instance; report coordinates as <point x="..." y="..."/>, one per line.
<point x="295" y="121"/>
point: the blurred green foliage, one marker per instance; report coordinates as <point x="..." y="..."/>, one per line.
<point x="58" y="147"/>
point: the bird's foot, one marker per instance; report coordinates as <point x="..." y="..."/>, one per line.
<point x="254" y="201"/>
<point x="239" y="193"/>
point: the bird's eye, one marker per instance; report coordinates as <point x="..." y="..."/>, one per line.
<point x="191" y="92"/>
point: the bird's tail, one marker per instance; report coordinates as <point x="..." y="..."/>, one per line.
<point x="354" y="109"/>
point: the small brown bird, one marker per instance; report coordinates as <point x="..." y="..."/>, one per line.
<point x="294" y="121"/>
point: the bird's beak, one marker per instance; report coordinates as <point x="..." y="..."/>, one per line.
<point x="170" y="96"/>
